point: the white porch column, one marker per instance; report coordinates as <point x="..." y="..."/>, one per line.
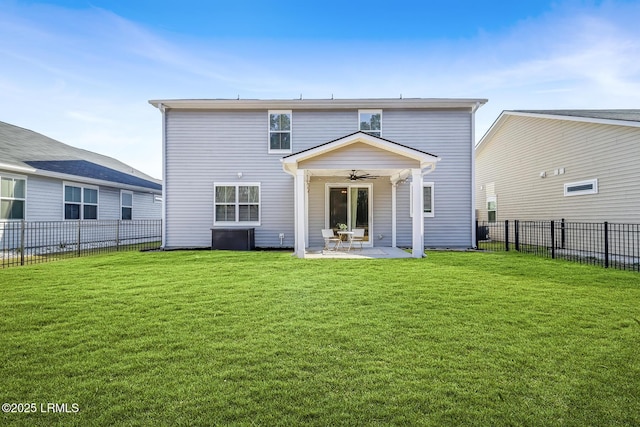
<point x="417" y="248"/>
<point x="300" y="220"/>
<point x="394" y="213"/>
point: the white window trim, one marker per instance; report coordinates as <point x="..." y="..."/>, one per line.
<point x="379" y="111"/>
<point x="433" y="208"/>
<point x="82" y="203"/>
<point x="123" y="206"/>
<point x="237" y="222"/>
<point x="14" y="177"/>
<point x="269" y="113"/>
<point x="593" y="190"/>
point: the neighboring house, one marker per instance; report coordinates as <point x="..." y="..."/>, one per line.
<point x="290" y="168"/>
<point x="580" y="165"/>
<point x="45" y="180"/>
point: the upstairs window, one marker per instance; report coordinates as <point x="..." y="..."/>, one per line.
<point x="279" y="131"/>
<point x="370" y="121"/>
<point x="235" y="203"/>
<point x="126" y="205"/>
<point x="80" y="202"/>
<point x="12" y="198"/>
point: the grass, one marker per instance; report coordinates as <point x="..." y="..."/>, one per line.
<point x="261" y="338"/>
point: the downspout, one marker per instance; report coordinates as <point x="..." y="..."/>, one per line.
<point x="163" y="109"/>
<point x="473" y="174"/>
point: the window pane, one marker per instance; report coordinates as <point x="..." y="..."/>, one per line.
<point x="280" y="141"/>
<point x="225" y="213"/>
<point x="71" y="211"/>
<point x="225" y="194"/>
<point x="72" y="194"/>
<point x="127" y="199"/>
<point x="492" y="216"/>
<point x="90" y="212"/>
<point x="248" y="194"/>
<point x="12" y="209"/>
<point x="126" y="213"/>
<point x="427" y="199"/>
<point x="248" y="213"/>
<point x="90" y="196"/>
<point x="18" y="189"/>
<point x="279" y="122"/>
<point x="491" y="205"/>
<point x="370" y="121"/>
<point x="7" y="187"/>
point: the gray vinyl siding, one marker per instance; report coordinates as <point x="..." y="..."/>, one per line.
<point x="205" y="147"/>
<point x="108" y="203"/>
<point x="446" y="134"/>
<point x="45" y="200"/>
<point x="524" y="147"/>
<point x="145" y="206"/>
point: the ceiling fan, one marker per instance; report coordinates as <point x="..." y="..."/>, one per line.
<point x="353" y="176"/>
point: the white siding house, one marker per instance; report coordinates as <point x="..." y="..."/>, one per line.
<point x="580" y="165"/>
<point x="45" y="180"/>
<point x="289" y="168"/>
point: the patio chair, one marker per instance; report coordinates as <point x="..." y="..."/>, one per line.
<point x="357" y="237"/>
<point x="330" y="238"/>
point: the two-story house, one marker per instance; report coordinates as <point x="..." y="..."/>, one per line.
<point x="290" y="168"/>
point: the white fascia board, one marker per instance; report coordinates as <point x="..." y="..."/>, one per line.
<point x="17" y="168"/>
<point x="575" y="118"/>
<point x="309" y="104"/>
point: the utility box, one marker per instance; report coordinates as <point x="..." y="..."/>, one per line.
<point x="234" y="239"/>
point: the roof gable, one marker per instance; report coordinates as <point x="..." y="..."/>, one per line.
<point x="607" y="117"/>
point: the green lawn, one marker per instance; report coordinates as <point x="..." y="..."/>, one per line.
<point x="262" y="338"/>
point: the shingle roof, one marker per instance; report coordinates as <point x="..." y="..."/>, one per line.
<point x="624" y="115"/>
<point x="87" y="169"/>
<point x="23" y="148"/>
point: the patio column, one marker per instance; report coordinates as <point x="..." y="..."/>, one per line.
<point x="417" y="249"/>
<point x="394" y="213"/>
<point x="300" y="220"/>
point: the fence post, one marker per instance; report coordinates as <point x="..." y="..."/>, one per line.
<point x="606" y="244"/>
<point x="118" y="235"/>
<point x="506" y="235"/>
<point x="562" y="234"/>
<point x="79" y="237"/>
<point x="477" y="230"/>
<point x="516" y="229"/>
<point x="22" y="242"/>
<point x="553" y="239"/>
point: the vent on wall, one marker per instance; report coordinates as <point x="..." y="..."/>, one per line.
<point x="583" y="187"/>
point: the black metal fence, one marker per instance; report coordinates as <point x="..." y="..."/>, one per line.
<point x="30" y="242"/>
<point x="610" y="245"/>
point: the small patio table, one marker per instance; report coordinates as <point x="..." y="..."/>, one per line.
<point x="345" y="233"/>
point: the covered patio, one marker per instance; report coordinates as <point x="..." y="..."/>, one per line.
<point x="381" y="252"/>
<point x="355" y="167"/>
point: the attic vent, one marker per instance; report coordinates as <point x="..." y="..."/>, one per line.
<point x="583" y="187"/>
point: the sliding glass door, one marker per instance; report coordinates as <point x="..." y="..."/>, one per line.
<point x="350" y="205"/>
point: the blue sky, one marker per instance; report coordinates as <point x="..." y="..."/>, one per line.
<point x="83" y="71"/>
